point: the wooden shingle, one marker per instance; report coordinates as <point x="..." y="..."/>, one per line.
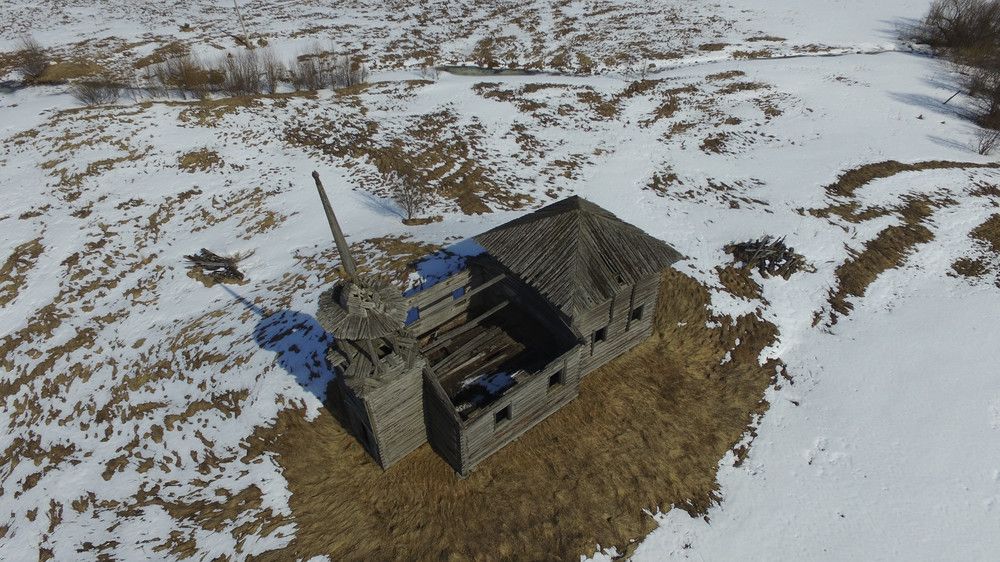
<point x="576" y="253"/>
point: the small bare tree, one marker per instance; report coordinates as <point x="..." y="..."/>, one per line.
<point x="310" y="72"/>
<point x="429" y="72"/>
<point x="348" y="71"/>
<point x="408" y="192"/>
<point x="274" y="71"/>
<point x="241" y="73"/>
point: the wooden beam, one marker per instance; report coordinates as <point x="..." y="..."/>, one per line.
<point x="338" y="235"/>
<point x="451" y="334"/>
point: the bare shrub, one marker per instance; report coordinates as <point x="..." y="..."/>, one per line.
<point x="96" y="91"/>
<point x="349" y="71"/>
<point x="242" y="73"/>
<point x="310" y="73"/>
<point x="988" y="142"/>
<point x="968" y="32"/>
<point x="968" y="29"/>
<point x="429" y="72"/>
<point x="31" y="60"/>
<point x="408" y="193"/>
<point x="274" y="71"/>
<point x="188" y="75"/>
<point x="984" y="86"/>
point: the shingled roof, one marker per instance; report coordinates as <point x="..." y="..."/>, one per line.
<point x="576" y="253"/>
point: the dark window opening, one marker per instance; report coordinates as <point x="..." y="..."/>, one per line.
<point x="502" y="415"/>
<point x="601" y="335"/>
<point x="557" y="379"/>
<point x="637" y="313"/>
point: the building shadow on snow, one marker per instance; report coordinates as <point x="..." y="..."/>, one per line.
<point x="300" y="345"/>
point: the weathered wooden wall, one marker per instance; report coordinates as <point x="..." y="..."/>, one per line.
<point x="531" y="401"/>
<point x="394" y="413"/>
<point x="444" y="428"/>
<point x="615" y="315"/>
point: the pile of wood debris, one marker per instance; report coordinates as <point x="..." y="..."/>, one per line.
<point x="771" y="256"/>
<point x="209" y="266"/>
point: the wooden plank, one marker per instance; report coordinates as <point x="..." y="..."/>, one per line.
<point x="445" y="338"/>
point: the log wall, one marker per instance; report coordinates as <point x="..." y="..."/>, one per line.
<point x="444" y="428"/>
<point x="530" y="401"/>
<point x="622" y="332"/>
<point x="395" y="415"/>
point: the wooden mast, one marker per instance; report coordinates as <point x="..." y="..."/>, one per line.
<point x="338" y="235"/>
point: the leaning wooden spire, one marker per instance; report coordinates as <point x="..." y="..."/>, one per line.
<point x="358" y="307"/>
<point x="338" y="235"/>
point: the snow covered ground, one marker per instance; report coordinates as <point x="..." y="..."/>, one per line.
<point x="123" y="412"/>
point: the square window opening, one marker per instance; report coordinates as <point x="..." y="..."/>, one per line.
<point x="601" y="335"/>
<point x="637" y="313"/>
<point x="557" y="379"/>
<point x="502" y="415"/>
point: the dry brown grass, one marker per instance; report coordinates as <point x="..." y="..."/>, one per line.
<point x="62" y="71"/>
<point x="886" y="251"/>
<point x="968" y="267"/>
<point x="435" y="149"/>
<point x="200" y="160"/>
<point x="989" y="233"/>
<point x="714" y="143"/>
<point x="758" y="54"/>
<point x="739" y="282"/>
<point x="713" y="46"/>
<point x="727" y="75"/>
<point x="647" y="431"/>
<point x="890" y="248"/>
<point x="741" y="87"/>
<point x="16" y="267"/>
<point x="851" y="181"/>
<point x="162" y="53"/>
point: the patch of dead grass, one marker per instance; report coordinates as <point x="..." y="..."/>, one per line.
<point x="647" y="431"/>
<point x="757" y="54"/>
<point x="852" y="180"/>
<point x="888" y="250"/>
<point x="70" y="70"/>
<point x="969" y="267"/>
<point x="727" y="75"/>
<point x="989" y="233"/>
<point x="16" y="267"/>
<point x="200" y="160"/>
<point x="714" y="143"/>
<point x="711" y="47"/>
<point x="740" y="282"/>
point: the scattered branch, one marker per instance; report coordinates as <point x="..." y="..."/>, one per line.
<point x="769" y="255"/>
<point x="220" y="269"/>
